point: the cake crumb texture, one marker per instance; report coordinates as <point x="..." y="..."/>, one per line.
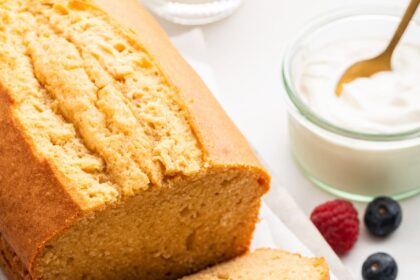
<point x="92" y="98"/>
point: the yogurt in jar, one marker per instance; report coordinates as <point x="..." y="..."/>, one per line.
<point x="385" y="104"/>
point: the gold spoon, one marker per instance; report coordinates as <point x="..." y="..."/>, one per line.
<point x="382" y="62"/>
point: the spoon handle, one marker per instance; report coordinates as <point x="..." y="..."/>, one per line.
<point x="411" y="10"/>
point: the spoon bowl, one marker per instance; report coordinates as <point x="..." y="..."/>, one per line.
<point x="364" y="69"/>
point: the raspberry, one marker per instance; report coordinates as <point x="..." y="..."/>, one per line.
<point x="338" y="223"/>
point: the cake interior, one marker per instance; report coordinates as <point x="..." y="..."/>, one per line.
<point x="170" y="231"/>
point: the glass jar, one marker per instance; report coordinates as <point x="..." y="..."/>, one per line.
<point x="193" y="12"/>
<point x="352" y="164"/>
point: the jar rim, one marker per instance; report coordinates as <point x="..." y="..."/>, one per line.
<point x="303" y="109"/>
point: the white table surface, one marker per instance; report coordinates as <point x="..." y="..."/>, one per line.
<point x="245" y="52"/>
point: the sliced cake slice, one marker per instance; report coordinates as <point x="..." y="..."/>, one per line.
<point x="267" y="264"/>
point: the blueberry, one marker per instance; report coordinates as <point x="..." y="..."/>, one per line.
<point x="383" y="215"/>
<point x="379" y="266"/>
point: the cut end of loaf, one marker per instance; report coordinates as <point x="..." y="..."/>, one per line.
<point x="163" y="234"/>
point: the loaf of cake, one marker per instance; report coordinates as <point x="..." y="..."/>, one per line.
<point x="267" y="264"/>
<point x="115" y="160"/>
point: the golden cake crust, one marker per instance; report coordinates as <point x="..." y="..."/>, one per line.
<point x="28" y="176"/>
